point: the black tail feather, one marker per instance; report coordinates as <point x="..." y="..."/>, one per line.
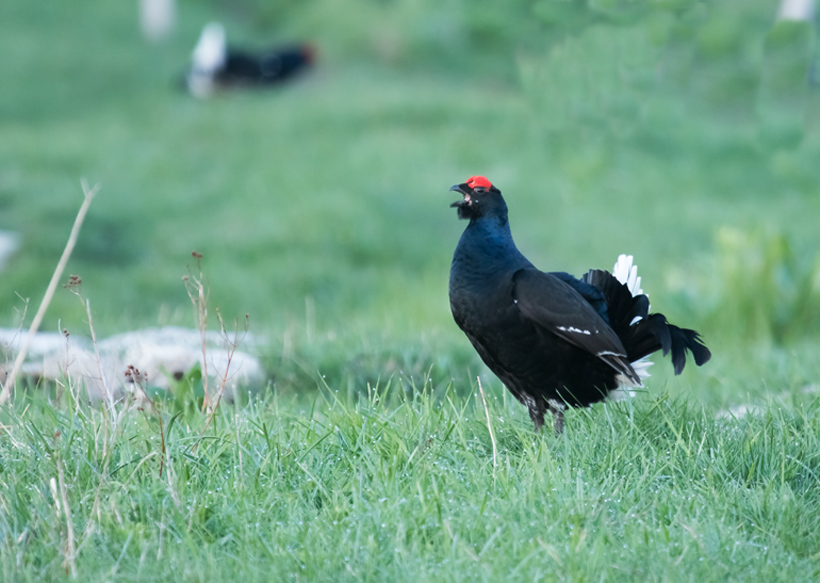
<point x="622" y="306"/>
<point x="652" y="332"/>
<point x="684" y="339"/>
<point x="647" y="336"/>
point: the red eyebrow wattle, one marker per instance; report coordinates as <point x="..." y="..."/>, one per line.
<point x="479" y="181"/>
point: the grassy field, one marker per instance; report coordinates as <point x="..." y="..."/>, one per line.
<point x="395" y="489"/>
<point x="688" y="138"/>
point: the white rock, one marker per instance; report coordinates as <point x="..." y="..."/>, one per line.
<point x="158" y="353"/>
<point x="739" y="411"/>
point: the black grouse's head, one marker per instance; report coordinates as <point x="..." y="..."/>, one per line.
<point x="481" y="199"/>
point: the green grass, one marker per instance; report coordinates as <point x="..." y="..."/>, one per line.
<point x="390" y="488"/>
<point x="686" y="137"/>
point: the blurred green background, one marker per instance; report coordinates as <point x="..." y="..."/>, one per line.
<point x="687" y="134"/>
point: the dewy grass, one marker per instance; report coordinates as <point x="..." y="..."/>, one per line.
<point x="406" y="489"/>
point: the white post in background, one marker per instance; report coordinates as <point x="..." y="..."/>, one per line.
<point x="157" y="18"/>
<point x="803" y="11"/>
<point x="796" y="10"/>
<point x="9" y="242"/>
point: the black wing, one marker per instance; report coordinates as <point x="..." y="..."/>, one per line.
<point x="556" y="307"/>
<point x="588" y="291"/>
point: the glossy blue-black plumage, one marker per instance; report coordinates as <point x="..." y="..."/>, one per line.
<point x="554" y="340"/>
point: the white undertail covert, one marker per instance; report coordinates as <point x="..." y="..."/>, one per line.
<point x="626" y="272"/>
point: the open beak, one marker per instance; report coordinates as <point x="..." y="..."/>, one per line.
<point x="464" y="190"/>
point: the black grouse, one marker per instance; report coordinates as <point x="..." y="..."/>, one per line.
<point x="553" y="340"/>
<point x="219" y="66"/>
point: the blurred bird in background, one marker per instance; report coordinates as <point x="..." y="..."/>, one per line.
<point x="216" y="66"/>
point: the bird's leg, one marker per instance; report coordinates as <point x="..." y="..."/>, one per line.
<point x="558" y="421"/>
<point x="537" y="411"/>
<point x="557" y="409"/>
